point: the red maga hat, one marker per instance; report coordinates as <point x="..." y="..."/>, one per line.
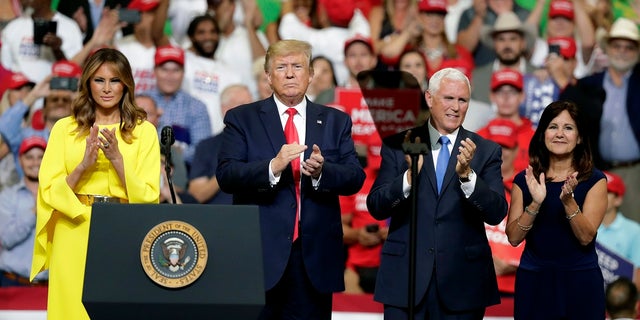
<point x="567" y="45"/>
<point x="358" y="38"/>
<point x="32" y="142"/>
<point x="169" y="53"/>
<point x="17" y="80"/>
<point x="66" y="69"/>
<point x="143" y="5"/>
<point x="507" y="77"/>
<point x="561" y="8"/>
<point x="432" y="6"/>
<point x="503" y="132"/>
<point x="614" y="183"/>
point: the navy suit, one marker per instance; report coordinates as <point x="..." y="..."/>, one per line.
<point x="451" y="239"/>
<point x="253" y="135"/>
<point x="589" y="94"/>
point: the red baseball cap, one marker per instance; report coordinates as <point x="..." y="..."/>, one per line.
<point x="169" y="53"/>
<point x="358" y="38"/>
<point x="506" y="77"/>
<point x="561" y="8"/>
<point x="567" y="45"/>
<point x="339" y="12"/>
<point x="66" y="69"/>
<point x="143" y="5"/>
<point x="17" y="80"/>
<point x="615" y="184"/>
<point x="501" y="131"/>
<point x="432" y="6"/>
<point x="32" y="142"/>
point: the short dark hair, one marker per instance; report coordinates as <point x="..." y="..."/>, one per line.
<point x="621" y="298"/>
<point x="191" y="30"/>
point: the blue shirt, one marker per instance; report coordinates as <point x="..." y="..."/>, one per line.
<point x="13" y="132"/>
<point x="622" y="236"/>
<point x="17" y="228"/>
<point x="187" y="115"/>
<point x="538" y="95"/>
<point x="617" y="139"/>
<point x="205" y="163"/>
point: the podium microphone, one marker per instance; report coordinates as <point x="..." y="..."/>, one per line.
<point x="167" y="139"/>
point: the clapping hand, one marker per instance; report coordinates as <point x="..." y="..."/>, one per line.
<point x="312" y="167"/>
<point x="537" y="187"/>
<point x="466" y="151"/>
<point x="569" y="185"/>
<point x="109" y="144"/>
<point x="287" y="153"/>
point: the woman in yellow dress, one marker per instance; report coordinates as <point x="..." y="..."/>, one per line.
<point x="120" y="162"/>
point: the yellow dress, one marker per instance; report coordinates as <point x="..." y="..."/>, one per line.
<point x="62" y="226"/>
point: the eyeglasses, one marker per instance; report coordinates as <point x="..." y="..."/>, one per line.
<point x="623" y="47"/>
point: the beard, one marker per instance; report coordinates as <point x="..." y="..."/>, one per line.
<point x="203" y="52"/>
<point x="621" y="65"/>
<point x="31" y="178"/>
<point x="509" y="59"/>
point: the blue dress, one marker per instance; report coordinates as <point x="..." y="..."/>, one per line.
<point x="558" y="278"/>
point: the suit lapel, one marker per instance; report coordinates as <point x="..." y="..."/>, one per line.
<point x="271" y="119"/>
<point x="314" y="126"/>
<point x="428" y="167"/>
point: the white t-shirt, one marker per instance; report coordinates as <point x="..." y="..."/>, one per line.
<point x="205" y="79"/>
<point x="328" y="42"/>
<point x="235" y="52"/>
<point x="20" y="54"/>
<point x="141" y="60"/>
<point x="583" y="68"/>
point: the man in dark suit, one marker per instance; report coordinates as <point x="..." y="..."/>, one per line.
<point x="614" y="121"/>
<point x="303" y="262"/>
<point x="455" y="278"/>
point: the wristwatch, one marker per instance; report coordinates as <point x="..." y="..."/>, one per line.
<point x="467" y="178"/>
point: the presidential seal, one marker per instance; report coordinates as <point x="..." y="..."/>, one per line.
<point x="173" y="254"/>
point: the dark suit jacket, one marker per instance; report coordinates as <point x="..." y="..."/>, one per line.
<point x="593" y="84"/>
<point x="252" y="137"/>
<point x="451" y="235"/>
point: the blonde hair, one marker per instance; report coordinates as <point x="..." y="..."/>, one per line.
<point x="287" y="47"/>
<point x="84" y="110"/>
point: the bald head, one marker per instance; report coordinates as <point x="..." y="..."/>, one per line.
<point x="233" y="96"/>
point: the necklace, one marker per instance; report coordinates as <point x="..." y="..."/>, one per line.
<point x="433" y="53"/>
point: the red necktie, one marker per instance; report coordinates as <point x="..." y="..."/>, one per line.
<point x="291" y="134"/>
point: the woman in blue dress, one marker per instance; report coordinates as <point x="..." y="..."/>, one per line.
<point x="557" y="205"/>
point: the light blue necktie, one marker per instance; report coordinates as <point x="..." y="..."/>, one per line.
<point x="443" y="160"/>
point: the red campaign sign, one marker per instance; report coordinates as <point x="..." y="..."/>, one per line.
<point x="393" y="110"/>
<point x="500" y="246"/>
<point x="352" y="103"/>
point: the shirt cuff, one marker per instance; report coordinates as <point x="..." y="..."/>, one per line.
<point x="316" y="182"/>
<point x="406" y="187"/>
<point x="469" y="186"/>
<point x="273" y="180"/>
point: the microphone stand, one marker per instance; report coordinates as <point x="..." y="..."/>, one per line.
<point x="167" y="170"/>
<point x="414" y="150"/>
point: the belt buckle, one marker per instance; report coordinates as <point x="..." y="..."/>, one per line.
<point x="101" y="199"/>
